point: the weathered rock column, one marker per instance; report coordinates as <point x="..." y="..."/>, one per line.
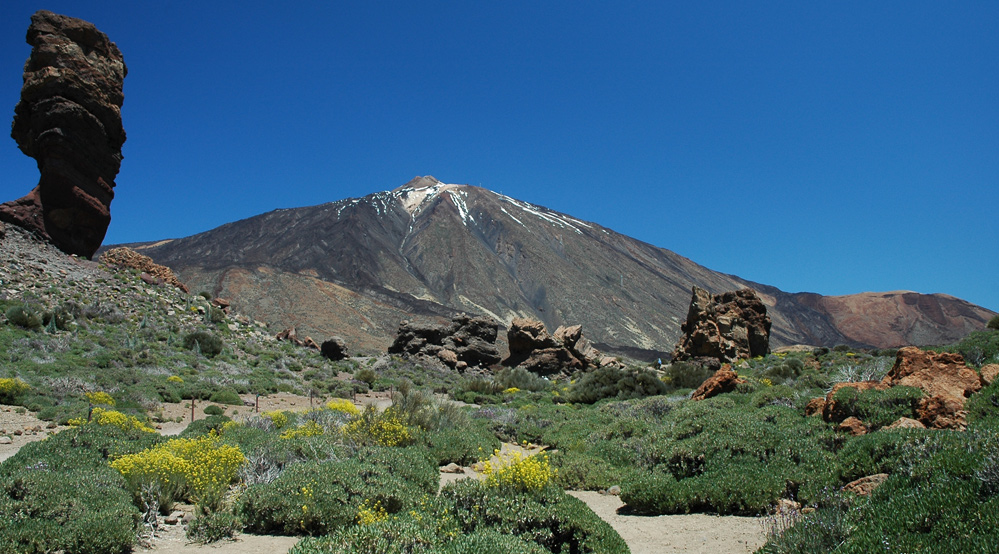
<point x="69" y="120"/>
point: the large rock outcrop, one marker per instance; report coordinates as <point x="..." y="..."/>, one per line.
<point x="69" y="120"/>
<point x="464" y="342"/>
<point x="943" y="377"/>
<point x="724" y="327"/>
<point x="945" y="380"/>
<point x="565" y="351"/>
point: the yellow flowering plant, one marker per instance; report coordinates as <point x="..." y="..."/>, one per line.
<point x="517" y="471"/>
<point x="199" y="469"/>
<point x="11" y="388"/>
<point x="99" y="398"/>
<point x="102" y="416"/>
<point x="343" y="405"/>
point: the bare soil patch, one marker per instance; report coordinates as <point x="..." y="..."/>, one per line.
<point x="21" y="427"/>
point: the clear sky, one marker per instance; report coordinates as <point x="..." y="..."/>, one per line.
<point x="831" y="147"/>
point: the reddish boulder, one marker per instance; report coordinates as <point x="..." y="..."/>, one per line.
<point x="906" y="423"/>
<point x="865" y="485"/>
<point x="853" y="426"/>
<point x="291" y="335"/>
<point x="724" y="380"/>
<point x="944" y="379"/>
<point x="69" y="120"/>
<point x="725" y="327"/>
<point x="815" y="406"/>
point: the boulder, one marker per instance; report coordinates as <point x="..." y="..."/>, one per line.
<point x="989" y="373"/>
<point x="725" y="327"/>
<point x="464" y="342"/>
<point x="865" y="485"/>
<point x="853" y="426"/>
<point x="906" y="423"/>
<point x="69" y="120"/>
<point x="560" y="353"/>
<point x="291" y="335"/>
<point x="128" y="258"/>
<point x="944" y="379"/>
<point x="334" y="349"/>
<point x="724" y="380"/>
<point x="815" y="406"/>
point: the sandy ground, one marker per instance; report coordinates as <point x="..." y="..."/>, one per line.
<point x="691" y="533"/>
<point x="694" y="533"/>
<point x="20" y="429"/>
<point x="252" y="404"/>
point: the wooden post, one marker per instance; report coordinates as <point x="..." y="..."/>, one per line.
<point x="192" y="410"/>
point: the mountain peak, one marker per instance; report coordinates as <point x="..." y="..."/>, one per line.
<point x="421" y="182"/>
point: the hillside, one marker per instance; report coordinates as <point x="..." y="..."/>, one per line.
<point x="358" y="266"/>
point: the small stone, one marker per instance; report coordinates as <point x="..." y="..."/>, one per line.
<point x="6" y="440"/>
<point x="615" y="490"/>
<point x="171" y="521"/>
<point x="18" y="432"/>
<point x="452" y="468"/>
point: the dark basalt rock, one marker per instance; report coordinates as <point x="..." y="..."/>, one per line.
<point x="464" y="342"/>
<point x="69" y="120"/>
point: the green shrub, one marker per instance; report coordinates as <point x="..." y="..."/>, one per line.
<point x="879" y="452"/>
<point x="317" y="498"/>
<point x="877" y="408"/>
<point x="462" y="446"/>
<point x="685" y="375"/>
<point x="366" y="375"/>
<point x="548" y="517"/>
<point x="226" y="396"/>
<point x="60" y="494"/>
<point x="213" y="527"/>
<point x="612" y="382"/>
<point x="520" y="378"/>
<point x="978" y="348"/>
<point x="214" y="315"/>
<point x="207" y="344"/>
<point x="993" y="323"/>
<point x="983" y="406"/>
<point x="25" y="317"/>
<point x="214" y="410"/>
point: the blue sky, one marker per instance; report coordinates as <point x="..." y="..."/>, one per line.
<point x="831" y="147"/>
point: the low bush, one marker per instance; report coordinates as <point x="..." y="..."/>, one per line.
<point x="685" y="375"/>
<point x="993" y="323"/>
<point x="317" y="498"/>
<point x="877" y="408"/>
<point x="612" y="382"/>
<point x="203" y="342"/>
<point x="226" y="396"/>
<point x="24" y="316"/>
<point x="12" y="390"/>
<point x="462" y="445"/>
<point x="212" y="527"/>
<point x="520" y="378"/>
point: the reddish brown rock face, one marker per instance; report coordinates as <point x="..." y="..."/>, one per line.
<point x="725" y="327"/>
<point x="69" y="120"/>
<point x="945" y="381"/>
<point x="565" y="351"/>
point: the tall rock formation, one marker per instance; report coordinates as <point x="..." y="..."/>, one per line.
<point x="724" y="327"/>
<point x="69" y="120"/>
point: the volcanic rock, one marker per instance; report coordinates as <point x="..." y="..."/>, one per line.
<point x="865" y="485"/>
<point x="853" y="426"/>
<point x="563" y="352"/>
<point x="471" y="340"/>
<point x="906" y="423"/>
<point x="69" y="120"/>
<point x="944" y="379"/>
<point x="128" y="258"/>
<point x="291" y="335"/>
<point x="726" y="327"/>
<point x="724" y="380"/>
<point x="334" y="349"/>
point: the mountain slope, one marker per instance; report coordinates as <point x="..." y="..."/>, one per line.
<point x="356" y="267"/>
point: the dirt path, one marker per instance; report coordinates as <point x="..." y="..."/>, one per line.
<point x="19" y="427"/>
<point x="691" y="533"/>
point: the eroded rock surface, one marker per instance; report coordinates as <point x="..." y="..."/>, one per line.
<point x="464" y="342"/>
<point x="724" y="327"/>
<point x="724" y="380"/>
<point x="69" y="120"/>
<point x="945" y="381"/>
<point x="565" y="351"/>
